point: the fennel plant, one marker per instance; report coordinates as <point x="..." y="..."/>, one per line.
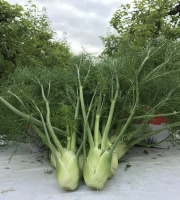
<point x="95" y="105"/>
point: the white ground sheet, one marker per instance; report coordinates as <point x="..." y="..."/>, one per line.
<point x="153" y="174"/>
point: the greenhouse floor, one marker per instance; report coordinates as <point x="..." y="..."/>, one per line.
<point x="143" y="174"/>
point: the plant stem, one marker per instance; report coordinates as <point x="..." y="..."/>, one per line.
<point x="108" y="125"/>
<point x="79" y="150"/>
<point x="91" y="142"/>
<point x="110" y="116"/>
<point x="68" y="138"/>
<point x="21" y="102"/>
<point x="73" y="137"/>
<point x="28" y="117"/>
<point x="142" y="65"/>
<point x="85" y="118"/>
<point x="153" y="133"/>
<point x="163" y="74"/>
<point x="96" y="131"/>
<point x="150" y="116"/>
<point x="55" y="139"/>
<point x="50" y="145"/>
<point x="97" y="121"/>
<point x="123" y="130"/>
<point x="129" y="119"/>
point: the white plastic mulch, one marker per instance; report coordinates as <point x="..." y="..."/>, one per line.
<point x="143" y="174"/>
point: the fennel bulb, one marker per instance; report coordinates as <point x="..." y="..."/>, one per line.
<point x="67" y="171"/>
<point x="96" y="168"/>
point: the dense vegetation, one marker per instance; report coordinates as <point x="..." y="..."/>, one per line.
<point x="87" y="113"/>
<point x="141" y="21"/>
<point x="27" y="40"/>
<point x="95" y="105"/>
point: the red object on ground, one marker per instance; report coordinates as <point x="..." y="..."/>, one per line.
<point x="157" y="120"/>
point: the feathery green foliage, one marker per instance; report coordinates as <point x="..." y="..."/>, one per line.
<point x="96" y="105"/>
